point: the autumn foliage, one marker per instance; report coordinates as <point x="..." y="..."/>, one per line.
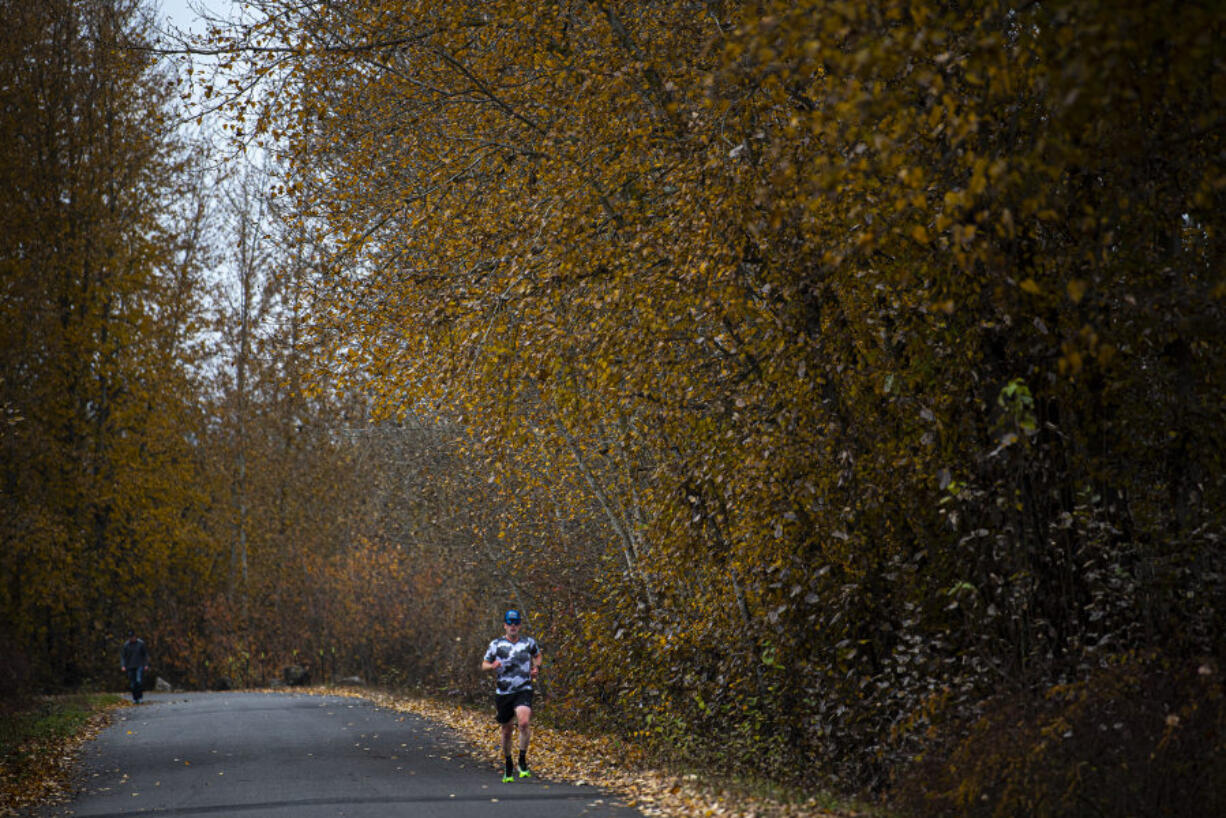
<point x="838" y="385"/>
<point x="99" y="488"/>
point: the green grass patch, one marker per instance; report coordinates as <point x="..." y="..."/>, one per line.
<point x="47" y="720"/>
<point x="37" y="739"/>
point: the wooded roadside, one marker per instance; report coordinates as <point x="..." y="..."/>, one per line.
<point x="838" y="387"/>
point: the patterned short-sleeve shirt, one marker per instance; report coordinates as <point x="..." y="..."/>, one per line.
<point x="515" y="672"/>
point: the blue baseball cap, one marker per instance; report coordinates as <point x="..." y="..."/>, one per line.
<point x="511" y="617"/>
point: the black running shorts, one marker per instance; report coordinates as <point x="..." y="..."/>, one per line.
<point x="507" y="702"/>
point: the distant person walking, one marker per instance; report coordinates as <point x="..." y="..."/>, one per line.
<point x="516" y="660"/>
<point x="135" y="662"/>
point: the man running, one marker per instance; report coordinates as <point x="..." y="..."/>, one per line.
<point x="516" y="661"/>
<point x="134" y="660"/>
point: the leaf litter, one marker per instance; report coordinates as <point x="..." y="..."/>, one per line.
<point x="603" y="762"/>
<point x="39" y="771"/>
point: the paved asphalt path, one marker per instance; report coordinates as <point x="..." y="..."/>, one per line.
<point x="277" y="755"/>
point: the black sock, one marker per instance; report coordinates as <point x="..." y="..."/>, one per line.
<point x="523" y="759"/>
<point x="509" y="768"/>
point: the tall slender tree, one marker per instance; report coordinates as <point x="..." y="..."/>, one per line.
<point x="101" y="300"/>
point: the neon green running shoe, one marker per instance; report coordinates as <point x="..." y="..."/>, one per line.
<point x="524" y="772"/>
<point x="506" y="779"/>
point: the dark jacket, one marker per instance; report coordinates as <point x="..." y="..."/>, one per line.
<point x="135" y="654"/>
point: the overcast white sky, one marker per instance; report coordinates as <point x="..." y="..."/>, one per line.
<point x="181" y="14"/>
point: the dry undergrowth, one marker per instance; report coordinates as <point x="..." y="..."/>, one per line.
<point x="603" y="762"/>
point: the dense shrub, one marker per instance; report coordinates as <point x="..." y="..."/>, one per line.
<point x="1141" y="736"/>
